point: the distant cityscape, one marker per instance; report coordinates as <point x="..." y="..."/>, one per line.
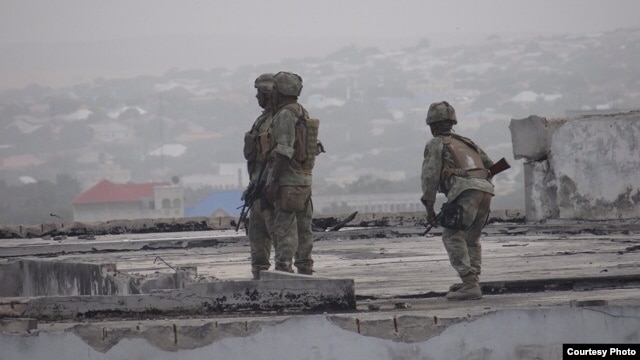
<point x="372" y="105"/>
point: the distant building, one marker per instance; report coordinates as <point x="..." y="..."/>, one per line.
<point x="218" y="203"/>
<point x="224" y="176"/>
<point x="105" y="171"/>
<point x="109" y="201"/>
<point x="383" y="202"/>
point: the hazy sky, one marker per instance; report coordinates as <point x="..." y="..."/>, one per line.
<point x="65" y="41"/>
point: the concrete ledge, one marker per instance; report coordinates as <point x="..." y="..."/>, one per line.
<point x="138" y="226"/>
<point x="88" y="231"/>
<point x="281" y="275"/>
<point x="297" y="293"/>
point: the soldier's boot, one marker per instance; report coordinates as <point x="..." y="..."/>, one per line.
<point x="256" y="273"/>
<point x="283" y="267"/>
<point x="470" y="289"/>
<point x="304" y="270"/>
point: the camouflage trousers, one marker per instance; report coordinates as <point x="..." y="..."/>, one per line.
<point x="260" y="224"/>
<point x="463" y="246"/>
<point x="293" y="237"/>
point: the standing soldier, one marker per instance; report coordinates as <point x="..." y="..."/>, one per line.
<point x="255" y="151"/>
<point x="457" y="167"/>
<point x="294" y="137"/>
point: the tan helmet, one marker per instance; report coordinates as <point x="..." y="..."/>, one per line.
<point x="288" y="83"/>
<point x="264" y="82"/>
<point x="441" y="111"/>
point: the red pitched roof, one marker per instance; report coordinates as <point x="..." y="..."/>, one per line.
<point x="106" y="191"/>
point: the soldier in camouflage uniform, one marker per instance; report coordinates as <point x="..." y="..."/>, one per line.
<point x="261" y="212"/>
<point x="289" y="186"/>
<point x="457" y="167"/>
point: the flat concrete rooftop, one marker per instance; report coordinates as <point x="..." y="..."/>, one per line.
<point x="559" y="270"/>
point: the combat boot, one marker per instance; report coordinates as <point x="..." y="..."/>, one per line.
<point x="305" y="270"/>
<point x="283" y="267"/>
<point x="256" y="273"/>
<point x="470" y="289"/>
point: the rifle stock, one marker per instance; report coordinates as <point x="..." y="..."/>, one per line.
<point x="499" y="167"/>
<point x="251" y="194"/>
<point x="243" y="215"/>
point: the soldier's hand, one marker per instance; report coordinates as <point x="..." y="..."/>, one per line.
<point x="431" y="216"/>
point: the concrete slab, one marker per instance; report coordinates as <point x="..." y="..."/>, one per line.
<point x="295" y="293"/>
<point x="18" y="325"/>
<point x="530" y="137"/>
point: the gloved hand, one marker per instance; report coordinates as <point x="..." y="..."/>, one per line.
<point x="431" y="216"/>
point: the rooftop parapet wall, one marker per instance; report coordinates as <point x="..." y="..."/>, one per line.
<point x="584" y="168"/>
<point x="88" y="231"/>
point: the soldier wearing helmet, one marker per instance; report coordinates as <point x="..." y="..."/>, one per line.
<point x="457" y="167"/>
<point x="289" y="186"/>
<point x="255" y="152"/>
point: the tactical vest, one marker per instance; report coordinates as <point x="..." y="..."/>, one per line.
<point x="466" y="158"/>
<point x="305" y="147"/>
<point x="261" y="138"/>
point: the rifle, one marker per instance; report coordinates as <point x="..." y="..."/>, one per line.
<point x="499" y="167"/>
<point x="431" y="225"/>
<point x="251" y="194"/>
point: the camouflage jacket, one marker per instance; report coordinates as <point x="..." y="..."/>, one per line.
<point x="434" y="157"/>
<point x="283" y="131"/>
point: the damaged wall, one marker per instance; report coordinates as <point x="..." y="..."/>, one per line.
<point x="35" y="277"/>
<point x="501" y="335"/>
<point x="45" y="278"/>
<point x="582" y="168"/>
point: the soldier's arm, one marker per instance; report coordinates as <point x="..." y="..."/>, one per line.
<point x="284" y="132"/>
<point x="431" y="168"/>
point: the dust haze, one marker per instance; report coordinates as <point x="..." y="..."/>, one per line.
<point x="70" y="41"/>
<point x="146" y="90"/>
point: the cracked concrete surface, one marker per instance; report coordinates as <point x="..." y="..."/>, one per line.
<point x="552" y="269"/>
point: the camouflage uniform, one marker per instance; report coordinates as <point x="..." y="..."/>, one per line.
<point x="292" y="232"/>
<point x="261" y="212"/>
<point x="473" y="193"/>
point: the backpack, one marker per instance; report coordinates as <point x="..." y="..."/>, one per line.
<point x="306" y="146"/>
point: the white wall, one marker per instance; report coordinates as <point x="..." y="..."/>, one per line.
<point x="503" y="335"/>
<point x="585" y="168"/>
<point x="597" y="167"/>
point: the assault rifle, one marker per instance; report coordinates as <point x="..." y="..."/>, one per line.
<point x="499" y="167"/>
<point x="495" y="169"/>
<point x="251" y="194"/>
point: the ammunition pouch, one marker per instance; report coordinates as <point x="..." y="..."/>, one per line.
<point x="294" y="198"/>
<point x="265" y="144"/>
<point x="451" y="216"/>
<point x="250" y="147"/>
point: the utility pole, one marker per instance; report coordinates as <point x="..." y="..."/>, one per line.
<point x="161" y="124"/>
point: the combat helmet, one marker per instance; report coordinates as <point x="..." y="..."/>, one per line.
<point x="288" y="83"/>
<point x="441" y="111"/>
<point x="264" y="82"/>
